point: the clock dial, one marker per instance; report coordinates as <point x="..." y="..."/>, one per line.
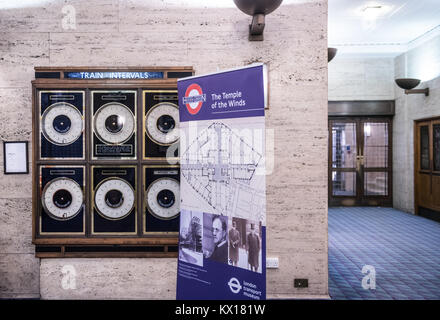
<point x="114" y="198"/>
<point x="114" y="123"/>
<point x="62" y="123"/>
<point x="62" y="198"/>
<point x="162" y="124"/>
<point x="163" y="198"/>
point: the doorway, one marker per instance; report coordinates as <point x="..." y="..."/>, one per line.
<point x="360" y="161"/>
<point x="427" y="168"/>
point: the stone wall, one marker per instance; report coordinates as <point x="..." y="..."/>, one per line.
<point x="422" y="63"/>
<point x="163" y="32"/>
<point x="360" y="78"/>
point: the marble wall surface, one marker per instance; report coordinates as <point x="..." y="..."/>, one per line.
<point x="360" y="78"/>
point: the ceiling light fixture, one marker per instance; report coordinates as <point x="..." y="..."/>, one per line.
<point x="408" y="84"/>
<point x="372" y="7"/>
<point x="373" y="10"/>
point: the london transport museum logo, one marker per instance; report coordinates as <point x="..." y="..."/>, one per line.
<point x="194" y="98"/>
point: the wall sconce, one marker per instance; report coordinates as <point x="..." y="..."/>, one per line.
<point x="331" y="52"/>
<point x="409" y="84"/>
<point x="258" y="9"/>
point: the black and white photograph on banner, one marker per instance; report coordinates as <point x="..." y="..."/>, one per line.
<point x="215" y="237"/>
<point x="190" y="239"/>
<point x="235" y="240"/>
<point x="244" y="243"/>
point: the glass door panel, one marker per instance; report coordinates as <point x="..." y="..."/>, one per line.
<point x="343" y="158"/>
<point x="375" y="158"/>
<point x="344" y="183"/>
<point x="344" y="145"/>
<point x="424" y="148"/>
<point x="375" y="145"/>
<point x="376" y="183"/>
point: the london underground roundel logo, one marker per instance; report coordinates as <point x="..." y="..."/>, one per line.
<point x="234" y="285"/>
<point x="194" y="98"/>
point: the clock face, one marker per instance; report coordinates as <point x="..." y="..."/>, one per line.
<point x="163" y="198"/>
<point x="62" y="123"/>
<point x="114" y="123"/>
<point x="62" y="198"/>
<point x="114" y="198"/>
<point x="162" y="124"/>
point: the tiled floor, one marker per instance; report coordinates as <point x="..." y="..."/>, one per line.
<point x="403" y="249"/>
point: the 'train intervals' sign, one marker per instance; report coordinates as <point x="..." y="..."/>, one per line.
<point x="129" y="75"/>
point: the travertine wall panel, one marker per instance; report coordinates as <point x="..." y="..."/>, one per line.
<point x="108" y="278"/>
<point x="356" y="78"/>
<point x="16" y="186"/>
<point x="19" y="53"/>
<point x="60" y="16"/>
<point x="15" y="220"/>
<point x="169" y="32"/>
<point x="114" y="49"/>
<point x="303" y="268"/>
<point x="19" y="275"/>
<point x="16" y="114"/>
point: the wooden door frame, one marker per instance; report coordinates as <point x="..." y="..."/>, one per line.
<point x="360" y="199"/>
<point x="331" y="198"/>
<point x="416" y="144"/>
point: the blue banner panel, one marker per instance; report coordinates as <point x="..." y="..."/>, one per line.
<point x="222" y="239"/>
<point x="233" y="94"/>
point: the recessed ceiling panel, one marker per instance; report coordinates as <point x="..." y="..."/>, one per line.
<point x="388" y="25"/>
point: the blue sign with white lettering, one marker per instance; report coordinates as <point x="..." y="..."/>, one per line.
<point x="241" y="93"/>
<point x="222" y="240"/>
<point x="129" y="75"/>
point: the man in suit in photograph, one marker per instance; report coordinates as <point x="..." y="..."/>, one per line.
<point x="220" y="253"/>
<point x="234" y="243"/>
<point x="253" y="248"/>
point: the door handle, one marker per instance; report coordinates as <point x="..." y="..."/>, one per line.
<point x="359" y="163"/>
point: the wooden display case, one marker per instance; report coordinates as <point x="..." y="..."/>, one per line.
<point x="73" y="86"/>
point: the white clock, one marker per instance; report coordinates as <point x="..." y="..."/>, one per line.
<point x="62" y="123"/>
<point x="163" y="198"/>
<point x="162" y="124"/>
<point x="114" y="123"/>
<point x="114" y="198"/>
<point x="62" y="198"/>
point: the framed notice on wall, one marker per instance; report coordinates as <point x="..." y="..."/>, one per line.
<point x="15" y="157"/>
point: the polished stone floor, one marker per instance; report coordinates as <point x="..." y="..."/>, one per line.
<point x="398" y="252"/>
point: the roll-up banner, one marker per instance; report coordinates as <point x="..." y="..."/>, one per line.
<point x="222" y="241"/>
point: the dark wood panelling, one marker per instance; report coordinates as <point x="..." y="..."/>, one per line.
<point x="426" y="180"/>
<point x="361" y="108"/>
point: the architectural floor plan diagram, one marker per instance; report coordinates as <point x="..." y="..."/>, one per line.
<point x="222" y="168"/>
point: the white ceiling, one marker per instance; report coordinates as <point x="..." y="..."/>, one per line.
<point x="406" y="24"/>
<point x="403" y="26"/>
